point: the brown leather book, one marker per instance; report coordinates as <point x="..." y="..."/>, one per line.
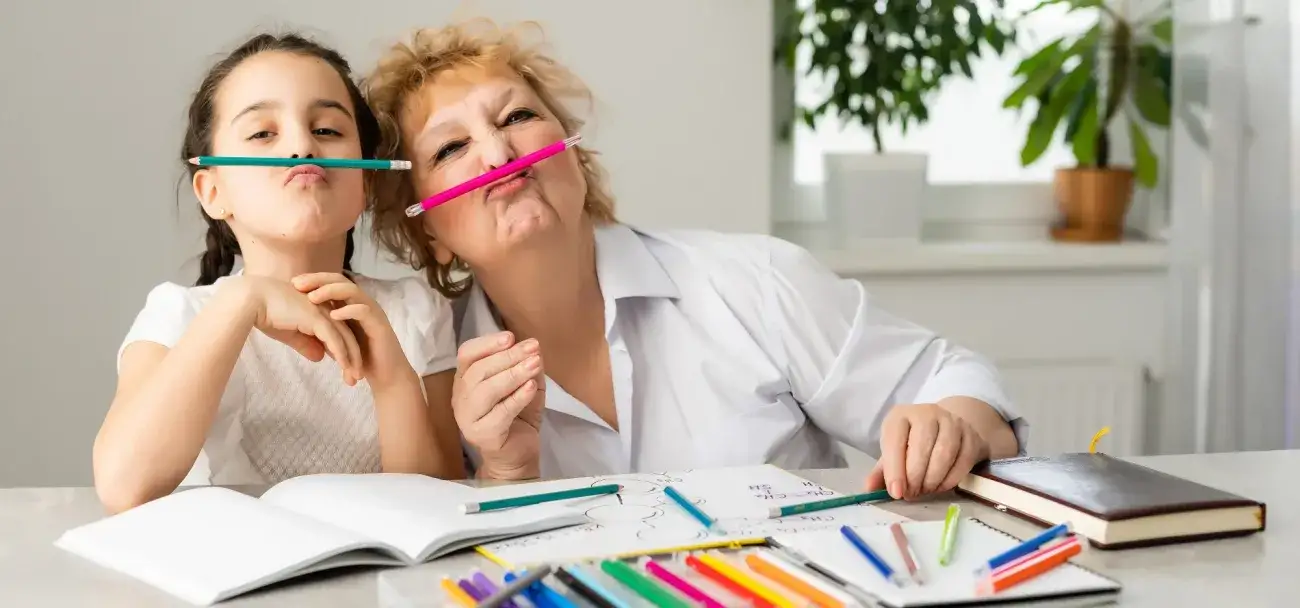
<point x="1114" y="503"/>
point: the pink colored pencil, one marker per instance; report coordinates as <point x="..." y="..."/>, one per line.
<point x="676" y="582"/>
<point x="501" y="172"/>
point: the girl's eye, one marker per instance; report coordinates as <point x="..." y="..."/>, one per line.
<point x="519" y="115"/>
<point x="447" y="150"/>
<point x="327" y="132"/>
<point x="260" y="135"/>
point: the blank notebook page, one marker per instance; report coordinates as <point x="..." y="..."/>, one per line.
<point x="201" y="543"/>
<point x="954" y="583"/>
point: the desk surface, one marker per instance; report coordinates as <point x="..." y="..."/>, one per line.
<point x="1259" y="570"/>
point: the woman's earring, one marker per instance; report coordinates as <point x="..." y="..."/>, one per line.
<point x="221" y="212"/>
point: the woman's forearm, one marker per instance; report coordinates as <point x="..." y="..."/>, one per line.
<point x="986" y="421"/>
<point x="407" y="439"/>
<point x="165" y="406"/>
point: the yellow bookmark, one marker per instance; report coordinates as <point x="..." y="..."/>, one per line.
<point x="1092" y="447"/>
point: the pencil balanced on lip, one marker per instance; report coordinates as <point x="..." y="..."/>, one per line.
<point x="278" y="161"/>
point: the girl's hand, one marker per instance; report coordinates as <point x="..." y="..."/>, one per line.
<point x="284" y="314"/>
<point x="381" y="361"/>
<point x="497" y="400"/>
<point x="925" y="449"/>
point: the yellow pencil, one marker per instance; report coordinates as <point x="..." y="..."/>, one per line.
<point x="457" y="593"/>
<point x="747" y="582"/>
<point x="723" y="544"/>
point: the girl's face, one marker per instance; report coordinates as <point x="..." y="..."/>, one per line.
<point x="283" y="104"/>
<point x="468" y="121"/>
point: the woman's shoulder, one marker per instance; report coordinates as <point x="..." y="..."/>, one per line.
<point x="726" y="254"/>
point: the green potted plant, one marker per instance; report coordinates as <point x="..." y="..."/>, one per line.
<point x="1081" y="85"/>
<point x="882" y="62"/>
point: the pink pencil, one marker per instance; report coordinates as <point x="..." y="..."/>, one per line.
<point x="679" y="584"/>
<point x="501" y="172"/>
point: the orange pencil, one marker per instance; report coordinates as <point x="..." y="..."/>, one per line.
<point x="457" y="593"/>
<point x="1043" y="560"/>
<point x="768" y="567"/>
<point x="735" y="588"/>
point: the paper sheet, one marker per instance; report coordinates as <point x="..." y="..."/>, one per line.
<point x="641" y="519"/>
<point x="956" y="582"/>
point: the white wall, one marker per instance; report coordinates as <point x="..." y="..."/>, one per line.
<point x="90" y="128"/>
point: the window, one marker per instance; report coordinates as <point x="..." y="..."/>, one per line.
<point x="970" y="138"/>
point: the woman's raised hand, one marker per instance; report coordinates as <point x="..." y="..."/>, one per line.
<point x="289" y="316"/>
<point x="497" y="399"/>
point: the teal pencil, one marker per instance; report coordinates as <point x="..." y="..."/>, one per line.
<point x="532" y="499"/>
<point x="276" y="161"/>
<point x="829" y="503"/>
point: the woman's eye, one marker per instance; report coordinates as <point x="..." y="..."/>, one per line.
<point x="260" y="135"/>
<point x="447" y="150"/>
<point x="327" y="132"/>
<point x="519" y="115"/>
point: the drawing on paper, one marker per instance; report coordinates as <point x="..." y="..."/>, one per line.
<point x="641" y="518"/>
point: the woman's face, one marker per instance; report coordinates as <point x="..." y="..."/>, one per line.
<point x="283" y="104"/>
<point x="468" y="121"/>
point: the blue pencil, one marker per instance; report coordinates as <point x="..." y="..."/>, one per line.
<point x="692" y="510"/>
<point x="541" y="595"/>
<point x="1025" y="548"/>
<point x="865" y="550"/>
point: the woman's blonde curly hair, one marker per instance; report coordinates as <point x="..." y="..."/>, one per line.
<point x="403" y="71"/>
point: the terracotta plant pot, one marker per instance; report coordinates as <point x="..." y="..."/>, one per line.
<point x="1093" y="202"/>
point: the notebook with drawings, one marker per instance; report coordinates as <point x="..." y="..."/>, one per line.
<point x="208" y="544"/>
<point x="951" y="585"/>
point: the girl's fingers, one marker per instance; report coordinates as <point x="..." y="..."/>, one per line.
<point x="311" y="281"/>
<point x="324" y="329"/>
<point x="352" y="371"/>
<point x="338" y="292"/>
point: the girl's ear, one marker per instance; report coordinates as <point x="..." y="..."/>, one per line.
<point x="205" y="189"/>
<point x="441" y="253"/>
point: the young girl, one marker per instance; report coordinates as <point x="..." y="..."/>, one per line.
<point x="291" y="365"/>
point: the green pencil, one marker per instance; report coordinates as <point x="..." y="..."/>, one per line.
<point x="277" y="161"/>
<point x="829" y="503"/>
<point x="643" y="586"/>
<point x="949" y="538"/>
<point x="532" y="499"/>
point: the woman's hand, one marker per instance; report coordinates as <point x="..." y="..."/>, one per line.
<point x="497" y="399"/>
<point x="925" y="449"/>
<point x="381" y="360"/>
<point x="287" y="315"/>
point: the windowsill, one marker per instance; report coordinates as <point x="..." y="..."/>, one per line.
<point x="956" y="257"/>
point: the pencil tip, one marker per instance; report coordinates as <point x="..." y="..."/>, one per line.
<point x="194" y="161"/>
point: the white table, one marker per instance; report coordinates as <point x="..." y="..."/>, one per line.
<point x="1260" y="570"/>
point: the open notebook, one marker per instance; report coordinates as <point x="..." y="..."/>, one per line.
<point x="951" y="585"/>
<point x="208" y="544"/>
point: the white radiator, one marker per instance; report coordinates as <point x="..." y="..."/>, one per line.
<point x="1067" y="402"/>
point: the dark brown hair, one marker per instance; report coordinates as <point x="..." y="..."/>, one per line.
<point x="219" y="258"/>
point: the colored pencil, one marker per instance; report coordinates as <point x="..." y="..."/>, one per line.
<point x="533" y="499"/>
<point x="483" y="582"/>
<point x="472" y="589"/>
<point x="738" y="589"/>
<point x="771" y="568"/>
<point x="829" y="503"/>
<point x="499" y="173"/>
<point x="590" y="581"/>
<point x="540" y="594"/>
<point x="1024" y="548"/>
<point x="643" y="586"/>
<point x="872" y="557"/>
<point x="515" y="585"/>
<point x="735" y="574"/>
<point x="680" y="584"/>
<point x="692" y="510"/>
<point x="949" y="538"/>
<point x="905" y="549"/>
<point x="279" y="161"/>
<point x="802" y="561"/>
<point x="1040" y="563"/>
<point x="581" y="589"/>
<point x="457" y="593"/>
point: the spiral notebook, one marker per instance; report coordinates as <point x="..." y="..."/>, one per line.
<point x="951" y="585"/>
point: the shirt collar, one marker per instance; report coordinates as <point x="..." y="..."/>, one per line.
<point x="625" y="268"/>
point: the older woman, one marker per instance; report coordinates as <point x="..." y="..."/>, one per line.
<point x="663" y="350"/>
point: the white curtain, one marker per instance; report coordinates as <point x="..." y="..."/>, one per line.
<point x="1233" y="337"/>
